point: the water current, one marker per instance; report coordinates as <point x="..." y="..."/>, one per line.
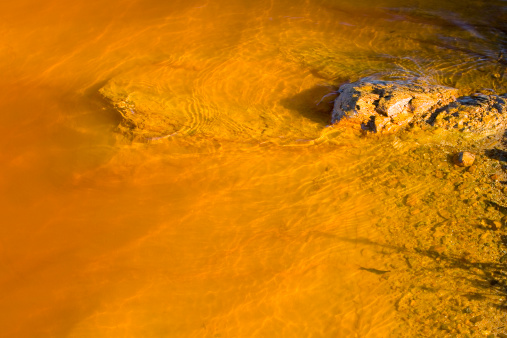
<point x="256" y="219"/>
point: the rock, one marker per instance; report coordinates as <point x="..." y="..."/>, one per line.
<point x="464" y="159"/>
<point x="476" y="319"/>
<point x="412" y="200"/>
<point x="496" y="225"/>
<point x="479" y="113"/>
<point x="444" y="213"/>
<point x="171" y="109"/>
<point x="387" y="106"/>
<point x="438" y="249"/>
<point x="444" y="327"/>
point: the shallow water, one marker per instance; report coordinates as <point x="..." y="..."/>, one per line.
<point x="237" y="225"/>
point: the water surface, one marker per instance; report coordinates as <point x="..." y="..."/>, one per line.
<point x="261" y="231"/>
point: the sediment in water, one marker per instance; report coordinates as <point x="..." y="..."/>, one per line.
<point x="446" y="240"/>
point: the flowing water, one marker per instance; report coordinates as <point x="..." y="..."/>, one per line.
<point x="235" y="226"/>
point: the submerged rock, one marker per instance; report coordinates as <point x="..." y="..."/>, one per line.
<point x="387" y="106"/>
<point x="174" y="109"/>
<point x="165" y="101"/>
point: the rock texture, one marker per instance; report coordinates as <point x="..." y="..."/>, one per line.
<point x="386" y="106"/>
<point x="464" y="159"/>
<point x="152" y="113"/>
<point x="476" y="113"/>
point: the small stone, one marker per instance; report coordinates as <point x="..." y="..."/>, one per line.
<point x="484" y="237"/>
<point x="496" y="225"/>
<point x="444" y="327"/>
<point x="438" y="233"/>
<point x="464" y="159"/>
<point x="412" y="200"/>
<point x="476" y="319"/>
<point x="439" y="249"/>
<point x="494" y="177"/>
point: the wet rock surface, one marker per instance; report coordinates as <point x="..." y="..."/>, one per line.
<point x="464" y="159"/>
<point x="476" y="113"/>
<point x="388" y="106"/>
<point x="378" y="106"/>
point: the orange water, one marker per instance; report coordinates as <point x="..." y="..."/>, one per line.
<point x="193" y="237"/>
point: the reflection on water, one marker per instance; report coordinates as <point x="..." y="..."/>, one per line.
<point x="240" y="225"/>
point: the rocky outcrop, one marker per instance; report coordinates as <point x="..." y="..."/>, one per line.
<point x="386" y="106"/>
<point x="476" y="113"/>
<point x="377" y="106"/>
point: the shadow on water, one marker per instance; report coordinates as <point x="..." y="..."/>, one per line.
<point x="497" y="154"/>
<point x="487" y="280"/>
<point x="315" y="103"/>
<point x="96" y="102"/>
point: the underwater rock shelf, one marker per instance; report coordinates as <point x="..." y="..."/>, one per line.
<point x="378" y="106"/>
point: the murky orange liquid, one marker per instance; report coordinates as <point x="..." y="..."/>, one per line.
<point x="105" y="238"/>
